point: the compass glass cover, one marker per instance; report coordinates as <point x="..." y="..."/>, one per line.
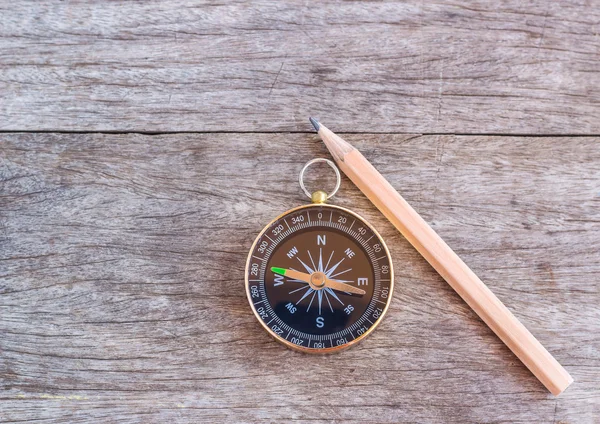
<point x="325" y="248"/>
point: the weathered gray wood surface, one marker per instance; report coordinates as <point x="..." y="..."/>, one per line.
<point x="429" y="67"/>
<point x="121" y="281"/>
<point x="122" y="255"/>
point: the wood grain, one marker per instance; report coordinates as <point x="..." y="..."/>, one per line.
<point x="121" y="280"/>
<point x="430" y="67"/>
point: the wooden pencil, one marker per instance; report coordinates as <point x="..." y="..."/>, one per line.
<point x="446" y="262"/>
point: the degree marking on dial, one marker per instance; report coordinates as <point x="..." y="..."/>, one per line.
<point x="350" y="227"/>
<point x="370" y="238"/>
<point x="383" y="257"/>
<point x="260" y="259"/>
<point x="308" y="215"/>
<point x="266" y="235"/>
<point x="286" y="223"/>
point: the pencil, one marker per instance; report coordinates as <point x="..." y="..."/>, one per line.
<point x="446" y="262"/>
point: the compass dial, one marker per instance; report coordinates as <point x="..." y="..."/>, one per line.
<point x="319" y="278"/>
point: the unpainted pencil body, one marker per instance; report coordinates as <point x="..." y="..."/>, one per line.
<point x="447" y="263"/>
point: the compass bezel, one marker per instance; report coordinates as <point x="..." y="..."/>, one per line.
<point x="325" y="350"/>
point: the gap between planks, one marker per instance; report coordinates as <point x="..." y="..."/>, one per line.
<point x="424" y="134"/>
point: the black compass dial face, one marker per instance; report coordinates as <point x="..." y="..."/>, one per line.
<point x="319" y="278"/>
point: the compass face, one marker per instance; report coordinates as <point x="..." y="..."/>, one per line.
<point x="319" y="278"/>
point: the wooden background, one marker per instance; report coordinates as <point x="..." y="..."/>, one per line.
<point x="145" y="144"/>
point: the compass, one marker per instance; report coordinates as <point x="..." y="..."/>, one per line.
<point x="319" y="278"/>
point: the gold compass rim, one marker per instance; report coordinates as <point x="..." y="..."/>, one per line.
<point x="327" y="350"/>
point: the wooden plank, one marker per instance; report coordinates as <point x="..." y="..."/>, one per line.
<point x="122" y="258"/>
<point x="427" y="67"/>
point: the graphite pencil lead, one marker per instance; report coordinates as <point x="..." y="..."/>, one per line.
<point x="315" y="123"/>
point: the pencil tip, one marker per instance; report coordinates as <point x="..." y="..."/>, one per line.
<point x="336" y="145"/>
<point x="315" y="123"/>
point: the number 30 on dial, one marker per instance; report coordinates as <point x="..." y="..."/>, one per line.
<point x="319" y="278"/>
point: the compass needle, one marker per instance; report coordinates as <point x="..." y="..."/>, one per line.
<point x="319" y="277"/>
<point x="336" y="285"/>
